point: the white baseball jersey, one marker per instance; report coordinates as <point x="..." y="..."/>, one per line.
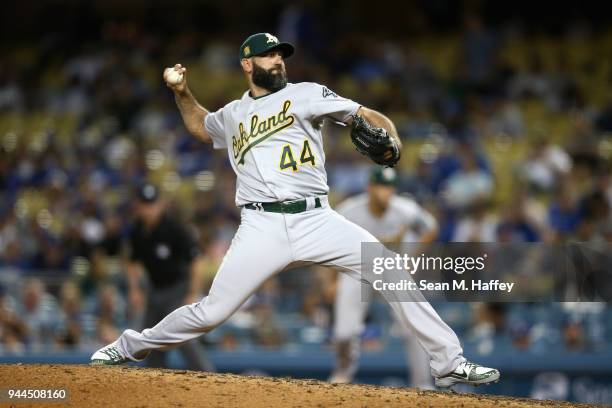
<point x="274" y="142"/>
<point x="401" y="213"/>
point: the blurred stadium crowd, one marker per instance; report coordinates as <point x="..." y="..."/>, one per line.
<point x="507" y="138"/>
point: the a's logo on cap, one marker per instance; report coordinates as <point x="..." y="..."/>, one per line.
<point x="247" y="51"/>
<point x="271" y="39"/>
<point x="388" y="174"/>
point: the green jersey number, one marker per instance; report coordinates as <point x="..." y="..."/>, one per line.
<point x="288" y="162"/>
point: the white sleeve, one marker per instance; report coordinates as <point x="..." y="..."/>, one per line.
<point x="323" y="102"/>
<point x="418" y="218"/>
<point x="214" y="126"/>
<point x="427" y="220"/>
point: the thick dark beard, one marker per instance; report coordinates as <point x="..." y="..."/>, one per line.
<point x="267" y="80"/>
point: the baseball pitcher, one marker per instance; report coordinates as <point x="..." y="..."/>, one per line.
<point x="275" y="146"/>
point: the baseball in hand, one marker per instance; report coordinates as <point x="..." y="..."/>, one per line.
<point x="172" y="76"/>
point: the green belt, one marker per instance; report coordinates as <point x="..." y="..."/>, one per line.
<point x="286" y="207"/>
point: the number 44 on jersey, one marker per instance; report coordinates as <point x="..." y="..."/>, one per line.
<point x="287" y="160"/>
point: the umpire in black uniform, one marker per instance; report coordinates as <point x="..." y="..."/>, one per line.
<point x="170" y="257"/>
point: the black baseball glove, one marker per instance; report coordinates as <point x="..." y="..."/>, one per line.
<point x="374" y="143"/>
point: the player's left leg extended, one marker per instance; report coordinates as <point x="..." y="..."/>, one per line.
<point x="327" y="237"/>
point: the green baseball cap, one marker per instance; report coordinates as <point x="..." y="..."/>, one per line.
<point x="383" y="175"/>
<point x="261" y="43"/>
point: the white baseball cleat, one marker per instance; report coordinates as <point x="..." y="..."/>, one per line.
<point x="468" y="373"/>
<point x="108" y="355"/>
<point x="340" y="378"/>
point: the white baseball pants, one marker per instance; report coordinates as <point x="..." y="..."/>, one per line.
<point x="267" y="243"/>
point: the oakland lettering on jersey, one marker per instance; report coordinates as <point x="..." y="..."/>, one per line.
<point x="260" y="131"/>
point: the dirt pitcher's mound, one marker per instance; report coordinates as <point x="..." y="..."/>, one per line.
<point x="140" y="387"/>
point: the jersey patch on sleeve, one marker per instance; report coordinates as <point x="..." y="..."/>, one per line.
<point x="328" y="92"/>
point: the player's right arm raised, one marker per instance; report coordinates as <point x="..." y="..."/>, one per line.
<point x="192" y="112"/>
